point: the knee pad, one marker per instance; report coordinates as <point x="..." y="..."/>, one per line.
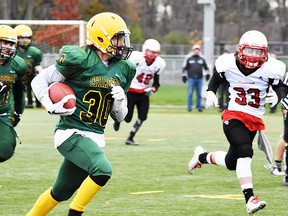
<point x="245" y="151"/>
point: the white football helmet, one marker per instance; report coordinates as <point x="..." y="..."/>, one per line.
<point x="253" y="49"/>
<point x="151" y="49"/>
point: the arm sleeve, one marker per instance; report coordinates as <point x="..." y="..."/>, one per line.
<point x="42" y="81"/>
<point x="215" y="81"/>
<point x="281" y="90"/>
<point x="156" y="83"/>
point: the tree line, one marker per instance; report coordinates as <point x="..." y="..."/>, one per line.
<point x="169" y="21"/>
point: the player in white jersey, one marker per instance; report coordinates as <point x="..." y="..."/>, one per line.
<point x="148" y="65"/>
<point x="249" y="73"/>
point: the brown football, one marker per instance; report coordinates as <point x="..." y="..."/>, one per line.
<point x="59" y="90"/>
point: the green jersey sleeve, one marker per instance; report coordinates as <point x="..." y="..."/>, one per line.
<point x="71" y="60"/>
<point x="37" y="55"/>
<point x="19" y="65"/>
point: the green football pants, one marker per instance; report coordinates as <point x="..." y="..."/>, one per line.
<point x="8" y="138"/>
<point x="82" y="157"/>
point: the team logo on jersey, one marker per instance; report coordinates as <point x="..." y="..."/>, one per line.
<point x="103" y="82"/>
<point x="246" y="82"/>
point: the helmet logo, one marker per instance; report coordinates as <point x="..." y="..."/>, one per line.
<point x="61" y="58"/>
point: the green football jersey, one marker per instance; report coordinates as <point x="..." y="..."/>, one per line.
<point x="91" y="82"/>
<point x="14" y="69"/>
<point x="33" y="57"/>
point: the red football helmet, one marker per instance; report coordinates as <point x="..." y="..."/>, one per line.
<point x="151" y="49"/>
<point x="253" y="49"/>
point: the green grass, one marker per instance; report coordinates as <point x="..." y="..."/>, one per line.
<point x="150" y="179"/>
<point x="170" y="95"/>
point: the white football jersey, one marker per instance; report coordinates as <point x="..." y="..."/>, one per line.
<point x="144" y="73"/>
<point x="248" y="92"/>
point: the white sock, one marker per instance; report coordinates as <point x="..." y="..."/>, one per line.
<point x="219" y="157"/>
<point x="243" y="170"/>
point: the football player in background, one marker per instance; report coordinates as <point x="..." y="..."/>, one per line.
<point x="282" y="145"/>
<point x="148" y="65"/>
<point x="249" y="73"/>
<point x="99" y="75"/>
<point x="33" y="56"/>
<point x="12" y="68"/>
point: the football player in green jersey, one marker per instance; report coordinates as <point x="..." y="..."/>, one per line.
<point x="33" y="56"/>
<point x="99" y="75"/>
<point x="12" y="68"/>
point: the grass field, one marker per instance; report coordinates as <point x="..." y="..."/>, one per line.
<point x="150" y="179"/>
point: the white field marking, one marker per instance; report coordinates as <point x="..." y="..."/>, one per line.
<point x="146" y="192"/>
<point x="224" y="196"/>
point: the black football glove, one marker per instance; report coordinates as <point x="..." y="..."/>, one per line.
<point x="184" y="78"/>
<point x="207" y="77"/>
<point x="16" y="119"/>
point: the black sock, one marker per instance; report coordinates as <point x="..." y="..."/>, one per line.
<point x="202" y="158"/>
<point x="73" y="212"/>
<point x="248" y="193"/>
<point x="278" y="164"/>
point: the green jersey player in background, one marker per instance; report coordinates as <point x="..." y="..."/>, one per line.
<point x="33" y="56"/>
<point x="12" y="68"/>
<point x="99" y="75"/>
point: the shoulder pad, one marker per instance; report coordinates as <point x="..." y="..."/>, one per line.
<point x="35" y="50"/>
<point x="224" y="61"/>
<point x="19" y="65"/>
<point x="162" y="62"/>
<point x="275" y="68"/>
<point x="136" y="56"/>
<point x="71" y="55"/>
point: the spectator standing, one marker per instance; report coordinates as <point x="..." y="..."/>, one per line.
<point x="194" y="68"/>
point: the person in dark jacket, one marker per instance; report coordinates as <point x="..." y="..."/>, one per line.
<point x="194" y="68"/>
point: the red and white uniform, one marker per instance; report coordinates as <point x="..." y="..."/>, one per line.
<point x="144" y="73"/>
<point x="248" y="92"/>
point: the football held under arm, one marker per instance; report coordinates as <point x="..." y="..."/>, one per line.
<point x="42" y="81"/>
<point x="40" y="85"/>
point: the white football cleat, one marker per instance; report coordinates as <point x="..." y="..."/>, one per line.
<point x="253" y="205"/>
<point x="194" y="162"/>
<point x="276" y="172"/>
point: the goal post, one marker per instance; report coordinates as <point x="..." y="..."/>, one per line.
<point x="50" y="35"/>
